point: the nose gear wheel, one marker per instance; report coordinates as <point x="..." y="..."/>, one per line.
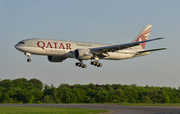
<point x="29" y="60"/>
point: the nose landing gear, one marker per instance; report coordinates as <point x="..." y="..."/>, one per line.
<point x="28" y="55"/>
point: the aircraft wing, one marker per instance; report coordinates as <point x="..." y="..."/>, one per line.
<point x="114" y="48"/>
<point x="151" y="50"/>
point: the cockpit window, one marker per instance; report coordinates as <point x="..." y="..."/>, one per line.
<point x="21" y="43"/>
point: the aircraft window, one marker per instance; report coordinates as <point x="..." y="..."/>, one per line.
<point x="21" y="43"/>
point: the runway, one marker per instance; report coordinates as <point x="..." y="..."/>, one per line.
<point x="116" y="109"/>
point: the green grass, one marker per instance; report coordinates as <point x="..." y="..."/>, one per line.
<point x="150" y="104"/>
<point x="47" y="110"/>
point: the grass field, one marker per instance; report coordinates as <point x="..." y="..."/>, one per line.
<point x="47" y="110"/>
<point x="150" y="104"/>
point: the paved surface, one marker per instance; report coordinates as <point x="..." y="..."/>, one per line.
<point x="117" y="109"/>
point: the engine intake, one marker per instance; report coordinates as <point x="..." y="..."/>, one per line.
<point x="83" y="54"/>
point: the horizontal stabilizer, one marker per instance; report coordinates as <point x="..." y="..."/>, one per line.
<point x="151" y="50"/>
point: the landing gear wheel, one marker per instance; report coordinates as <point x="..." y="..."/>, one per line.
<point x="84" y="66"/>
<point x="29" y="60"/>
<point x="81" y="65"/>
<point x="92" y="62"/>
<point x="100" y="65"/>
<point x="76" y="64"/>
<point x="95" y="63"/>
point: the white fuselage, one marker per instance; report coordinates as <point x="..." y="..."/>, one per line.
<point x="66" y="48"/>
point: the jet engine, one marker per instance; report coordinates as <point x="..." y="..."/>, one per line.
<point x="83" y="54"/>
<point x="56" y="58"/>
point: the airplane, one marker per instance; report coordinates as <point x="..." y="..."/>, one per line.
<point x="59" y="50"/>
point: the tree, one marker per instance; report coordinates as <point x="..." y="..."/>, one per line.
<point x="38" y="94"/>
<point x="153" y="95"/>
<point x="48" y="99"/>
<point x="119" y="94"/>
<point x="89" y="99"/>
<point x="46" y="87"/>
<point x="1" y="96"/>
<point x="92" y="86"/>
<point x="102" y="96"/>
<point x="6" y="83"/>
<point x="164" y="96"/>
<point x="20" y="82"/>
<point x="146" y="99"/>
<point x="176" y="100"/>
<point x="64" y="95"/>
<point x="78" y="95"/>
<point x="36" y="83"/>
<point x="91" y="95"/>
<point x="52" y="92"/>
<point x="77" y="85"/>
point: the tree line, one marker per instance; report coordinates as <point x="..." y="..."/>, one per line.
<point x="33" y="91"/>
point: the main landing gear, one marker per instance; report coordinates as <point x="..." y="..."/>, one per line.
<point x="80" y="64"/>
<point x="96" y="63"/>
<point x="28" y="55"/>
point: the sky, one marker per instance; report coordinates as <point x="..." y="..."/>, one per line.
<point x="101" y="21"/>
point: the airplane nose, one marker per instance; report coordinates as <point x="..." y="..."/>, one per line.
<point x="16" y="46"/>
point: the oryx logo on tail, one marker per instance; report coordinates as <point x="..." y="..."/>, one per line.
<point x="143" y="36"/>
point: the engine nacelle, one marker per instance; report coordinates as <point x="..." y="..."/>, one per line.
<point x="56" y="58"/>
<point x="83" y="54"/>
